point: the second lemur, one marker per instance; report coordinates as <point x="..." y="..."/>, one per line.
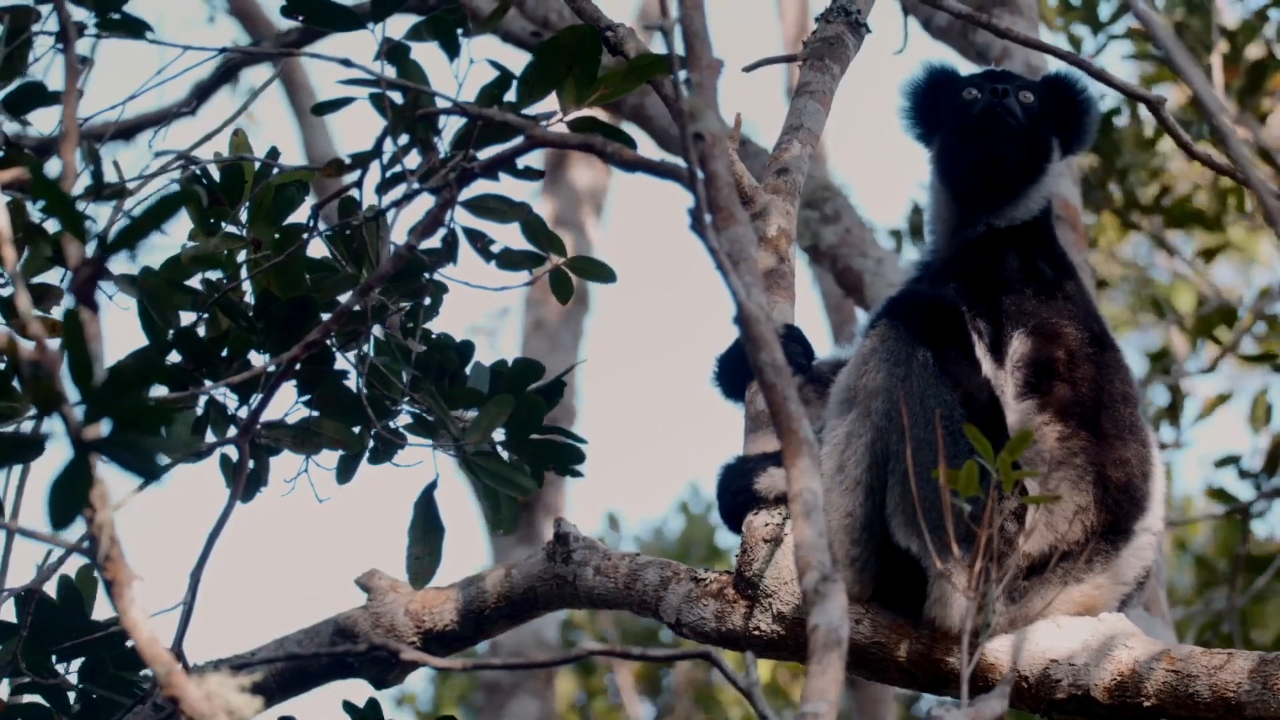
<point x="994" y="328"/>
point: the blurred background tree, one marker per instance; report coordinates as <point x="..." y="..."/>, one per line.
<point x="1186" y="272"/>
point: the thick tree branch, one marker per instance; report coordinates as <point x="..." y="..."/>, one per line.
<point x="1101" y="667"/>
<point x="842" y="313"/>
<point x="830" y="49"/>
<point x="978" y="45"/>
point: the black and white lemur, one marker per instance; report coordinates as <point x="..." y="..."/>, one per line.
<point x="995" y="328"/>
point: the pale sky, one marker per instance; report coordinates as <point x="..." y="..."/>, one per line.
<point x="287" y="560"/>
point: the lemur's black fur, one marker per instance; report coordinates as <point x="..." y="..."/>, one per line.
<point x="995" y="328"/>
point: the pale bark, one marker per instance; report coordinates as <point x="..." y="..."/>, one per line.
<point x="573" y="194"/>
<point x="842" y="314"/>
<point x="871" y="701"/>
<point x="1097" y="667"/>
<point x="766" y="301"/>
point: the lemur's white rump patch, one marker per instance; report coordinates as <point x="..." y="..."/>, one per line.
<point x="772" y="484"/>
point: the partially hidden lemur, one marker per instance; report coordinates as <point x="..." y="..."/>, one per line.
<point x="995" y="328"/>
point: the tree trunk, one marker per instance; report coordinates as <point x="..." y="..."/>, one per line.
<point x="573" y="194"/>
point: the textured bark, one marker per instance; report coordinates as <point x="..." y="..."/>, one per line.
<point x="831" y="231"/>
<point x="1096" y="667"/>
<point x="871" y="701"/>
<point x="982" y="48"/>
<point x="573" y="194"/>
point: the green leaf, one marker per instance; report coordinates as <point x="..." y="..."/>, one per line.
<point x="69" y="493"/>
<point x="123" y="24"/>
<point x="496" y="208"/>
<point x="74" y="344"/>
<point x="87" y="583"/>
<point x="28" y="97"/>
<point x="966" y="482"/>
<point x="1039" y="499"/>
<point x="561" y="285"/>
<point x="380" y="10"/>
<point x="1260" y="411"/>
<point x="590" y="269"/>
<point x="310" y="436"/>
<point x="550" y="451"/>
<point x="329" y="107"/>
<point x="1018" y="444"/>
<point x="1212" y="404"/>
<point x="348" y="464"/>
<point x="562" y="432"/>
<point x="583" y="51"/>
<point x="517" y="260"/>
<point x="45" y="296"/>
<point x="553" y="61"/>
<point x="492" y="92"/>
<point x="20" y="448"/>
<point x="147" y="222"/>
<point x="497" y="473"/>
<point x="540" y="235"/>
<point x="131" y="451"/>
<point x="426" y="538"/>
<point x="323" y="14"/>
<point x="980" y="443"/>
<point x="1227" y="460"/>
<point x="372" y="710"/>
<point x="624" y="80"/>
<point x="489" y="419"/>
<point x="441" y="27"/>
<point x="592" y="125"/>
<point x="478" y="377"/>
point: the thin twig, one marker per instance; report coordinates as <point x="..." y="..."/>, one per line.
<point x="15" y="513"/>
<point x="244" y="438"/>
<point x="587" y="650"/>
<point x="784" y="59"/>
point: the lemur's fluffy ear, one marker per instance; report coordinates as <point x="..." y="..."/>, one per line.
<point x="1070" y="109"/>
<point x="929" y="95"/>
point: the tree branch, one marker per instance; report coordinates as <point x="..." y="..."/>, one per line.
<point x="1101" y="667"/>
<point x="1188" y="68"/>
<point x="829" y="51"/>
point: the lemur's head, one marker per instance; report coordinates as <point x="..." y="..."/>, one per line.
<point x="994" y="133"/>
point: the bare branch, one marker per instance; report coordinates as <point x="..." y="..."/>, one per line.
<point x="830" y="50"/>
<point x="1099" y="667"/>
<point x="784" y="59"/>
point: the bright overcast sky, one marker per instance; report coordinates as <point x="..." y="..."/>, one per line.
<point x="288" y="559"/>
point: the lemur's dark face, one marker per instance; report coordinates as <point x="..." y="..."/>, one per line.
<point x="997" y="104"/>
<point x="995" y="131"/>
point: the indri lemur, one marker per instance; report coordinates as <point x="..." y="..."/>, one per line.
<point x="996" y="328"/>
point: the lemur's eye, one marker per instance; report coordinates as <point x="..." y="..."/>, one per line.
<point x="970" y="93"/>
<point x="1025" y="97"/>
